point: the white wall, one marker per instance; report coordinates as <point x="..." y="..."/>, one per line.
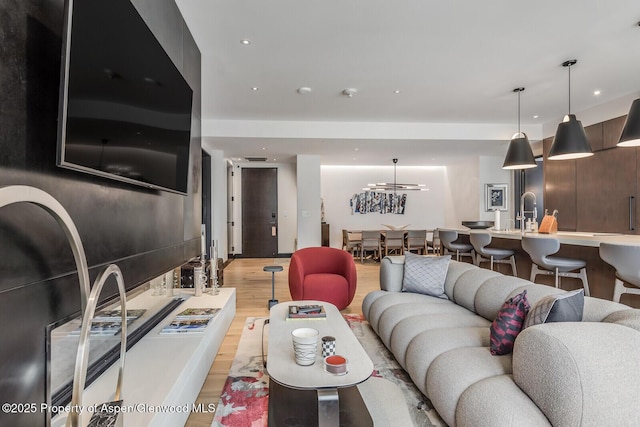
<point x="287" y="202"/>
<point x="309" y="200"/>
<point x="463" y="196"/>
<point x="424" y="209"/>
<point x="466" y="189"/>
<point x="491" y="172"/>
<point x="219" y="202"/>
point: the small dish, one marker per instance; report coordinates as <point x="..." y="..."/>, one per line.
<point x="336" y="364"/>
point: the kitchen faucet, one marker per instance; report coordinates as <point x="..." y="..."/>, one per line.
<point x="522" y="214"/>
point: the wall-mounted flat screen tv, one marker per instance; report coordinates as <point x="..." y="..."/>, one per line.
<point x="125" y="109"/>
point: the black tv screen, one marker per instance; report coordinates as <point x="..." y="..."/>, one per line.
<point x="125" y="109"/>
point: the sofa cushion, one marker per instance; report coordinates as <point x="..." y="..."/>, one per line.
<point x="456" y="269"/>
<point x="391" y="299"/>
<point x="508" y="324"/>
<point x="454" y="371"/>
<point x="395" y="314"/>
<point x="567" y="307"/>
<point x="597" y="309"/>
<point x="629" y="317"/>
<point x="494" y="292"/>
<point x="428" y="345"/>
<point x="425" y="275"/>
<point x="408" y="328"/>
<point x="468" y="284"/>
<point x="498" y="401"/>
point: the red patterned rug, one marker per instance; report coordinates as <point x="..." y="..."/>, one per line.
<point x="245" y="397"/>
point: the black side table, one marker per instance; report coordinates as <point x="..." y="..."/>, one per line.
<point x="272" y="268"/>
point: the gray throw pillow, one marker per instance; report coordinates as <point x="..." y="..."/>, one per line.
<point x="567" y="307"/>
<point x="425" y="274"/>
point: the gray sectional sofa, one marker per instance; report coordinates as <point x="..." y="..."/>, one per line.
<point x="563" y="374"/>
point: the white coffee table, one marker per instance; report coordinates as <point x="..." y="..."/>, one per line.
<point x="283" y="369"/>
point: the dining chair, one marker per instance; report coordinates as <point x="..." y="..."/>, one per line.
<point x="351" y="241"/>
<point x="416" y="241"/>
<point x="394" y="241"/>
<point x="370" y="242"/>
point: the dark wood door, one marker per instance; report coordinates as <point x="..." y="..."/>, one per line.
<point x="259" y="212"/>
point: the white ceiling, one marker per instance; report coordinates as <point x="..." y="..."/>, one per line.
<point x="454" y="63"/>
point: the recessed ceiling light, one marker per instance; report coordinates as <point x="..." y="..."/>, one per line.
<point x="596" y="92"/>
<point x="304" y="90"/>
<point x="254" y="89"/>
<point x="356" y="149"/>
<point x="264" y="148"/>
<point x="536" y="116"/>
<point x="396" y="91"/>
<point x="245" y="42"/>
<point x="349" y="92"/>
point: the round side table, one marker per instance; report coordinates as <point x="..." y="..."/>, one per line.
<point x="273" y="269"/>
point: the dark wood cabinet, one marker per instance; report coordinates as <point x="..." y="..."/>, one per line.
<point x="560" y="188"/>
<point x="611" y="131"/>
<point x="325" y="234"/>
<point x="598" y="193"/>
<point x="595" y="136"/>
<point x="605" y="183"/>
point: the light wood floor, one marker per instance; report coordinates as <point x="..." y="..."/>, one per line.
<point x="253" y="290"/>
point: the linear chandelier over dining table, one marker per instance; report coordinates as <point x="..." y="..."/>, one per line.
<point x="395" y="186"/>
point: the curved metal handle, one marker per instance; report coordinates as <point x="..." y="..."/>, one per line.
<point x="23" y="193"/>
<point x="82" y="356"/>
<point x="631" y="221"/>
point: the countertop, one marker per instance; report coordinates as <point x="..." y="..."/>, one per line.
<point x="578" y="238"/>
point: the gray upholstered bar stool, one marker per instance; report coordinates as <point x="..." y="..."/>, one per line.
<point x="447" y="239"/>
<point x="539" y="249"/>
<point x="480" y="241"/>
<point x="626" y="260"/>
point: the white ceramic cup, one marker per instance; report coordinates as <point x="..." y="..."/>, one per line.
<point x="305" y="345"/>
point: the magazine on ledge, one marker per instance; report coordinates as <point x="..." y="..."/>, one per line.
<point x="114" y="315"/>
<point x="186" y="326"/>
<point x="306" y="312"/>
<point x="198" y="313"/>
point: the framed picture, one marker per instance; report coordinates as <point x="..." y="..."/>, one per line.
<point x="495" y="197"/>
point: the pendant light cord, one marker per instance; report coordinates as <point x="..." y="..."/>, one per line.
<point x="519" y="111"/>
<point x="395" y="164"/>
<point x="569" y="88"/>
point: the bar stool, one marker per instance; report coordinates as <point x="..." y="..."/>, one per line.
<point x="480" y="240"/>
<point x="272" y="268"/>
<point x="539" y="249"/>
<point x="626" y="260"/>
<point x="447" y="239"/>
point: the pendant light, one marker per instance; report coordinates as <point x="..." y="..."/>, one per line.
<point x="570" y="141"/>
<point x="630" y="136"/>
<point x="395" y="186"/>
<point x="519" y="154"/>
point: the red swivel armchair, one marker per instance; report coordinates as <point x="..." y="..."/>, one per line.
<point x="323" y="274"/>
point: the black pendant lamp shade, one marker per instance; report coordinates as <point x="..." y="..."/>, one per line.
<point x="631" y="131"/>
<point x="570" y="141"/>
<point x="519" y="154"/>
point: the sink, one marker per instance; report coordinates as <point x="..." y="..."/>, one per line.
<point x="478" y="225"/>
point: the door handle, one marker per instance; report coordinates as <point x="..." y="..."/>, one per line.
<point x="631" y="218"/>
